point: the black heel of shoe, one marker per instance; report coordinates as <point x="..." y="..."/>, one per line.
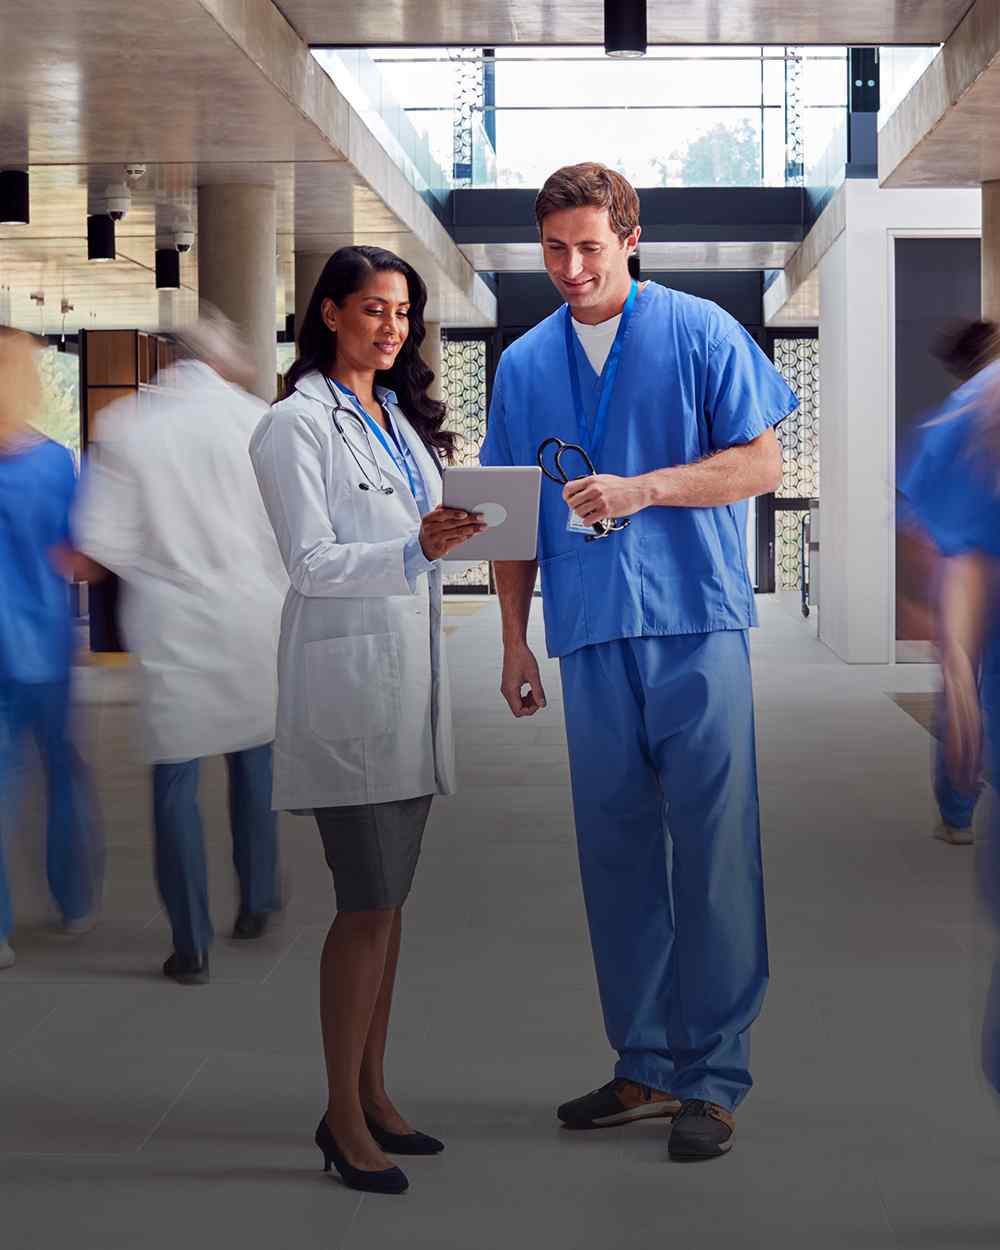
<point x="387" y="1181"/>
<point x="403" y="1143"/>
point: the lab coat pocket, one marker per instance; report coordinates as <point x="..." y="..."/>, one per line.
<point x="352" y="686"/>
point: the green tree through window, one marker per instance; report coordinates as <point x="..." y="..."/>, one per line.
<point x="60" y="414"/>
<point x="725" y="156"/>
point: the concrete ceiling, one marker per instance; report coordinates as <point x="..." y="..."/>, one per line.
<point x="199" y="91"/>
<point x="944" y="133"/>
<point x="499" y="22"/>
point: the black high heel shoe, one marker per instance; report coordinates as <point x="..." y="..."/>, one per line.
<point x="386" y="1181"/>
<point x="403" y="1143"/>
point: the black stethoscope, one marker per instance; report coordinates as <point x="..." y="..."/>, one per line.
<point x="601" y="528"/>
<point x="368" y="483"/>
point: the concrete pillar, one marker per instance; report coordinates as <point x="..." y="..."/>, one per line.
<point x="991" y="250"/>
<point x="433" y="353"/>
<point x="308" y="267"/>
<point x="237" y="268"/>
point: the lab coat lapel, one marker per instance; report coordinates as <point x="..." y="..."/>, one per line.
<point x="369" y="450"/>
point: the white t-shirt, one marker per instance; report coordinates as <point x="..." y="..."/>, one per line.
<point x="597" y="340"/>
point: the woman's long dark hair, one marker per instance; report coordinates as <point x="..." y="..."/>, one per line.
<point x="344" y="273"/>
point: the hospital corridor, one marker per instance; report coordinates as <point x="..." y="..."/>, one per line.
<point x="135" y="1113"/>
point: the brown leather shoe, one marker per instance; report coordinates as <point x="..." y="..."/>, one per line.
<point x="619" y="1102"/>
<point x="701" y="1130"/>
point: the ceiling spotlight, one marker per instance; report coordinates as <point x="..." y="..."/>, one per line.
<point x="100" y="237"/>
<point x="14" y="197"/>
<point x="168" y="269"/>
<point x="625" y="28"/>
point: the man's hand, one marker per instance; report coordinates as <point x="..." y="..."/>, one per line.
<point x="520" y="669"/>
<point x="604" y="496"/>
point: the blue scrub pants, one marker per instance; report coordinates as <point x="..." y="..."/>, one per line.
<point x="72" y="853"/>
<point x="181" y="874"/>
<point x="988" y="868"/>
<point x="663" y="766"/>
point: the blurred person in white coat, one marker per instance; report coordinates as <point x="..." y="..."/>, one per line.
<point x="349" y="467"/>
<point x="170" y="504"/>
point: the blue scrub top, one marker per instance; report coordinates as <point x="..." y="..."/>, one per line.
<point x="691" y="382"/>
<point x="37" y="487"/>
<point x="952" y="485"/>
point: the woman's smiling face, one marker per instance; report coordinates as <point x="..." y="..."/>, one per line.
<point x="371" y="325"/>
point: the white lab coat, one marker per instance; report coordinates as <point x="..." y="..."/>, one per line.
<point x="364" y="712"/>
<point x="169" y="502"/>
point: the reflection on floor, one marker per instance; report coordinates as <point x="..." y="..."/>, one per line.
<point x="156" y="1115"/>
<point x="920" y="706"/>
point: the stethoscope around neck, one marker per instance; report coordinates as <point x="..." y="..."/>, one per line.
<point x="369" y="483"/>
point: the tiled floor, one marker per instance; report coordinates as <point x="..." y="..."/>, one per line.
<point x="134" y="1113"/>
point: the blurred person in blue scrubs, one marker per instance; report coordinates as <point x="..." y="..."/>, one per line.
<point x="965" y="350"/>
<point x="170" y="504"/>
<point x="953" y="487"/>
<point x="37" y="488"/>
<point x="675" y="405"/>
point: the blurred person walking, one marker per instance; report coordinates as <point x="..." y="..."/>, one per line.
<point x="37" y="488"/>
<point x="348" y="464"/>
<point x="171" y="506"/>
<point x="953" y="487"/>
<point x="964" y="351"/>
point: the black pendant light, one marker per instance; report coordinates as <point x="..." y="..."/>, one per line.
<point x="14" y="197"/>
<point x="625" y="28"/>
<point x="168" y="269"/>
<point x="100" y="237"/>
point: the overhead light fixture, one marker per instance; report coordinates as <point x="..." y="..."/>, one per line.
<point x="100" y="237"/>
<point x="14" y="197"/>
<point x="625" y="28"/>
<point x="168" y="269"/>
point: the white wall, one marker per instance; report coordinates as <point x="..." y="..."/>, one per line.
<point x="857" y="430"/>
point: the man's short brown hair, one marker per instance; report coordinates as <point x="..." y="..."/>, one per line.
<point x="590" y="185"/>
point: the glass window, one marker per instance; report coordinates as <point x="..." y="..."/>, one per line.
<point x="60" y="414"/>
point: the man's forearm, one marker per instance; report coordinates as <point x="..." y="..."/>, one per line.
<point x="515" y="581"/>
<point x="727" y="477"/>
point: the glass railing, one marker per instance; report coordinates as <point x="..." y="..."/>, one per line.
<point x="679" y="117"/>
<point x="736" y="116"/>
<point x="899" y="69"/>
<point x="370" y="92"/>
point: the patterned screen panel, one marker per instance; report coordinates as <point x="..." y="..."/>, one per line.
<point x="797" y="360"/>
<point x="464" y="387"/>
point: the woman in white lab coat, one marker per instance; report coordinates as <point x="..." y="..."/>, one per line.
<point x="348" y="465"/>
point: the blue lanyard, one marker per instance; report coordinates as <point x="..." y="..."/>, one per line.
<point x="397" y="456"/>
<point x="593" y="440"/>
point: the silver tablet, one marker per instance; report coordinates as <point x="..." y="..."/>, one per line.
<point x="508" y="498"/>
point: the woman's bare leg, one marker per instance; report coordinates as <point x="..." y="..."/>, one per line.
<point x="352" y="972"/>
<point x="374" y="1098"/>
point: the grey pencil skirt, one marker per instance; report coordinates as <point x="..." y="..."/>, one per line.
<point x="372" y="850"/>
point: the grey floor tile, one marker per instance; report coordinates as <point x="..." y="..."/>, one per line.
<point x="161" y="1114"/>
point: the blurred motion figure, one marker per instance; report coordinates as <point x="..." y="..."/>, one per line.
<point x="37" y="488"/>
<point x="170" y="505"/>
<point x="953" y="487"/>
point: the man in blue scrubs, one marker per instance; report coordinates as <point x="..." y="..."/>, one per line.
<point x="675" y="405"/>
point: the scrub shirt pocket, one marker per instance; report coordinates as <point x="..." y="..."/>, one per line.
<point x="352" y="686"/>
<point x="564" y="603"/>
